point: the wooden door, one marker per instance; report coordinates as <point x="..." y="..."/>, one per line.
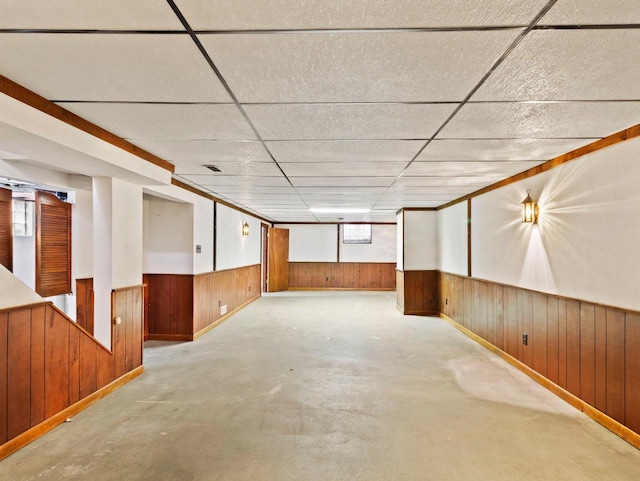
<point x="278" y="260"/>
<point x="6" y="229"/>
<point x="53" y="245"/>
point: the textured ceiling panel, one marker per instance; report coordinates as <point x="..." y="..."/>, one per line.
<point x="284" y="14"/>
<point x="368" y="67"/>
<point x="469" y="168"/>
<point x="337" y="190"/>
<point x="206" y="151"/>
<point x="590" y="12"/>
<point x="499" y="149"/>
<point x="114" y="67"/>
<point x="345" y="151"/>
<point x="342" y="169"/>
<point x="343" y="181"/>
<point x="239" y="180"/>
<point x="230" y="168"/>
<point x="409" y="190"/>
<point x="328" y="122"/>
<point x="569" y="65"/>
<point x="475" y="181"/>
<point x="259" y="190"/>
<point x="542" y="120"/>
<point x="166" y="122"/>
<point x="89" y="15"/>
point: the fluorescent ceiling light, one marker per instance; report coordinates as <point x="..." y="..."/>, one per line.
<point x="338" y="210"/>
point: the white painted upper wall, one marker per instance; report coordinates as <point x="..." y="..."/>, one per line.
<point x="82" y="235"/>
<point x="127" y="227"/>
<point x="381" y="249"/>
<point x="420" y="240"/>
<point x="168" y="237"/>
<point x="234" y="249"/>
<point x="452" y="239"/>
<point x="202" y="235"/>
<point x="586" y="242"/>
<point x="312" y="242"/>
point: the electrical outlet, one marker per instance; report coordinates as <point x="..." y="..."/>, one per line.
<point x="525" y="338"/>
<point x="223" y="310"/>
<point x="198" y="249"/>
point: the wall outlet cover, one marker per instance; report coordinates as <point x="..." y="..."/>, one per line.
<point x="223" y="310"/>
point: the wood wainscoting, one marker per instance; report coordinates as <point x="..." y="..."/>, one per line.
<point x="417" y="292"/>
<point x="342" y="275"/>
<point x="85" y="304"/>
<point x="51" y="368"/>
<point x="589" y="350"/>
<point x="184" y="307"/>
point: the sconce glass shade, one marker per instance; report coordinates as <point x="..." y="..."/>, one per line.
<point x="245" y="229"/>
<point x="529" y="210"/>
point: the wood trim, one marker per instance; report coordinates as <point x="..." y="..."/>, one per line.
<point x="120" y="289"/>
<point x="32" y="99"/>
<point x="44" y="427"/>
<point x="391" y="289"/>
<point x="616" y="138"/>
<point x="17" y="308"/>
<point x="425" y="209"/>
<point x="215" y="324"/>
<point x="614" y="426"/>
<point x="6" y="228"/>
<point x="194" y="190"/>
<point x="169" y="337"/>
<point x="221" y="270"/>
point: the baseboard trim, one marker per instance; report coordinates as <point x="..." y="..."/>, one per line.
<point x="342" y="288"/>
<point x="611" y="424"/>
<point x="215" y="324"/>
<point x="169" y="337"/>
<point x="47" y="425"/>
<point x="421" y="313"/>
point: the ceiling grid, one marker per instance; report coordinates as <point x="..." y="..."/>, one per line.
<point x="366" y="104"/>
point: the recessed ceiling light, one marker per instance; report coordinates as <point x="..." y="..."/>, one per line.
<point x="338" y="210"/>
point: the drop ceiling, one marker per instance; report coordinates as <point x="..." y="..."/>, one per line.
<point x="327" y="103"/>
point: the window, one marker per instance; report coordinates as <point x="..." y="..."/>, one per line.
<point x="356" y="234"/>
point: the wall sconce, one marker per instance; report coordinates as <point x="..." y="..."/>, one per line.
<point x="529" y="209"/>
<point x="245" y="228"/>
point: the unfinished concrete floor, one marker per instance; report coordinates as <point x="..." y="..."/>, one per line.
<point x="327" y="386"/>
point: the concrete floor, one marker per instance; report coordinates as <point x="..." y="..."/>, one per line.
<point x="327" y="386"/>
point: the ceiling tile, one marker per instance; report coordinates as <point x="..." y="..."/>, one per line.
<point x="140" y="122"/>
<point x="249" y="189"/>
<point x="230" y="168"/>
<point x="206" y="151"/>
<point x="81" y="14"/>
<point x="569" y="65"/>
<point x="367" y="67"/>
<point x="452" y="169"/>
<point x="240" y="181"/>
<point x="342" y="181"/>
<point x="345" y="151"/>
<point x="499" y="149"/>
<point x="542" y="120"/>
<point x="474" y="181"/>
<point x="284" y="14"/>
<point x="342" y="169"/>
<point x="116" y="67"/>
<point x="337" y="190"/>
<point x="342" y="121"/>
<point x="590" y="12"/>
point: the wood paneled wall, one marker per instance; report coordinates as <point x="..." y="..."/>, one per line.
<point x="233" y="288"/>
<point x="417" y="292"/>
<point x="84" y="304"/>
<point x="6" y="228"/>
<point x="342" y="275"/>
<point x="169" y="313"/>
<point x="179" y="307"/>
<point x="48" y="362"/>
<point x="587" y="349"/>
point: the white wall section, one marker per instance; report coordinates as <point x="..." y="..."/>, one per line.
<point x="400" y="240"/>
<point x="452" y="239"/>
<point x="312" y="242"/>
<point x="420" y="240"/>
<point x="381" y="249"/>
<point x="586" y="242"/>
<point x="234" y="249"/>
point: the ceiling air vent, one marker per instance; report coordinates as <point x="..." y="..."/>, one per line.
<point x="212" y="168"/>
